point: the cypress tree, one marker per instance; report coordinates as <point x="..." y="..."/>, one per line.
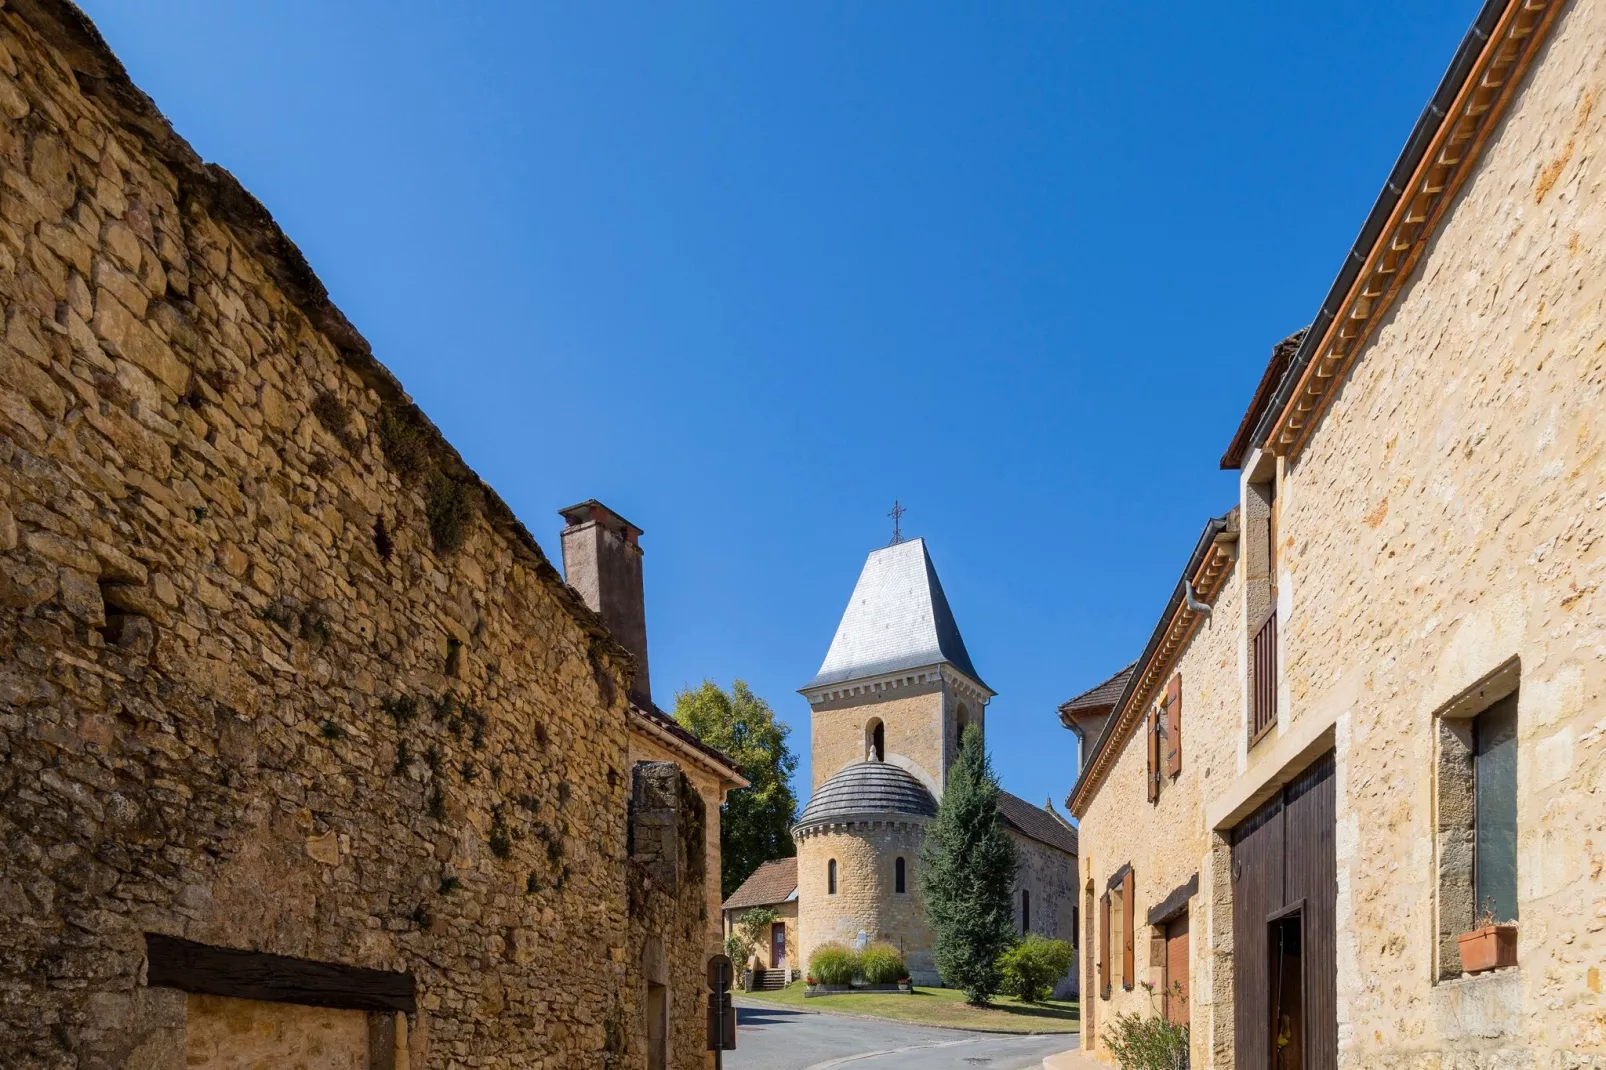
<point x="967" y="875"/>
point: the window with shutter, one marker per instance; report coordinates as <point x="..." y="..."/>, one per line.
<point x="1173" y="725"/>
<point x="1128" y="941"/>
<point x="1104" y="945"/>
<point x="1154" y="755"/>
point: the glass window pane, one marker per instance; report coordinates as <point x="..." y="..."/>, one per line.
<point x="1495" y="773"/>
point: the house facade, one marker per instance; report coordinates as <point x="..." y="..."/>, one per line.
<point x="1368" y="752"/>
<point x="772" y="887"/>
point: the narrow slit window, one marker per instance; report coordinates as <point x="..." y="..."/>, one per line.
<point x="1025" y="911"/>
<point x="830" y="877"/>
<point x="898" y="876"/>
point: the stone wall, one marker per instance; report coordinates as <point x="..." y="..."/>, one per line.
<point x="1448" y="516"/>
<point x="1050" y="876"/>
<point x="668" y="873"/>
<point x="276" y="670"/>
<point x="787" y="915"/>
<point x="1442" y="529"/>
<point x="865" y="899"/>
<point x="913" y="718"/>
<point x="644" y="748"/>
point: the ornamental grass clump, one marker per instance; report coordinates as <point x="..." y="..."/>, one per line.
<point x="881" y="964"/>
<point x="833" y="964"/>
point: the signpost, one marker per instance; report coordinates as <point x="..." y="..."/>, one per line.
<point x="721" y="1009"/>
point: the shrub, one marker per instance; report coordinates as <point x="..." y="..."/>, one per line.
<point x="1147" y="1042"/>
<point x="404" y="443"/>
<point x="881" y="964"/>
<point x="833" y="964"/>
<point x="737" y="951"/>
<point x="451" y="509"/>
<point x="1031" y="968"/>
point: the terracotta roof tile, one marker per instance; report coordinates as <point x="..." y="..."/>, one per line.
<point x="771" y="883"/>
<point x="1104" y="694"/>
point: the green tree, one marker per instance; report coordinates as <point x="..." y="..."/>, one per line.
<point x="967" y="874"/>
<point x="756" y="822"/>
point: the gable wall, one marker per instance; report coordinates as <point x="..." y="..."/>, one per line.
<point x="1449" y="515"/>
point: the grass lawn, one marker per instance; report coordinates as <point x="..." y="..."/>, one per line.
<point x="938" y="1006"/>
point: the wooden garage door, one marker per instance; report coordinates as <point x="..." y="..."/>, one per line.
<point x="1285" y="888"/>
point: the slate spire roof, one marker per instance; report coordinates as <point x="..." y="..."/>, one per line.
<point x="898" y="618"/>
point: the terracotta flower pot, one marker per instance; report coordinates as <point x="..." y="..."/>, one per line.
<point x="1488" y="948"/>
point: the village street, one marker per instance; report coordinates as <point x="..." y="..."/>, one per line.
<point x="779" y="1038"/>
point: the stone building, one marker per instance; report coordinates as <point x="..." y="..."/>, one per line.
<point x="305" y="741"/>
<point x="1371" y="708"/>
<point x="888" y="706"/>
<point x="602" y="560"/>
<point x="773" y="887"/>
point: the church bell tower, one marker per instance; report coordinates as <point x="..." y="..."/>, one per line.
<point x="897" y="684"/>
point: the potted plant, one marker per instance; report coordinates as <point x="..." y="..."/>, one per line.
<point x="905" y="985"/>
<point x="809" y="985"/>
<point x="1490" y="946"/>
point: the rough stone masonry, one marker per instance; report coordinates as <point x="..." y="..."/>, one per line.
<point x="277" y="672"/>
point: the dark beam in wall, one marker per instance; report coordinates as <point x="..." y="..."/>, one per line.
<point x="221" y="971"/>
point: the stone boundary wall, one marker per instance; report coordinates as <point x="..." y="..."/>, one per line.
<point x="277" y="671"/>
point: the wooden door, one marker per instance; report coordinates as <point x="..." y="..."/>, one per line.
<point x="1176" y="970"/>
<point x="1284" y="897"/>
<point x="778" y="946"/>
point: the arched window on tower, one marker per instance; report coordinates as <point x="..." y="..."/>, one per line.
<point x="1025" y="911"/>
<point x="899" y="879"/>
<point x="830" y="877"/>
<point x="961" y="722"/>
<point x="875" y="741"/>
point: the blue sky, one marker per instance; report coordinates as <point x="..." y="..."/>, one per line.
<point x="747" y="272"/>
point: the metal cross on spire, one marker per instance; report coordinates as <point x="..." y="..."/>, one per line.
<point x="897" y="522"/>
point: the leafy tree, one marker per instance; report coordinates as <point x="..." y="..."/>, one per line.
<point x="756" y="822"/>
<point x="967" y="873"/>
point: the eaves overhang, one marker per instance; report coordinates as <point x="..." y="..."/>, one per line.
<point x="1206" y="572"/>
<point x="1438" y="157"/>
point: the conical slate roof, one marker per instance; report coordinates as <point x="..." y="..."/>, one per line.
<point x="868" y="789"/>
<point x="898" y="618"/>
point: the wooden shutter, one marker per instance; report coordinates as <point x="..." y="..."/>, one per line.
<point x="1104" y="945"/>
<point x="1154" y="755"/>
<point x="1129" y="946"/>
<point x="1173" y="725"/>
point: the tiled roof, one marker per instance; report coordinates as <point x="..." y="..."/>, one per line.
<point x="898" y="618"/>
<point x="1282" y="354"/>
<point x="1036" y="823"/>
<point x="668" y="724"/>
<point x="1104" y="694"/>
<point x="868" y="788"/>
<point x="771" y="883"/>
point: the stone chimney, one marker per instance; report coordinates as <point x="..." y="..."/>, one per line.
<point x="602" y="560"/>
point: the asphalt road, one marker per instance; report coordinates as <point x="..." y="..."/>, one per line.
<point x="780" y="1038"/>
